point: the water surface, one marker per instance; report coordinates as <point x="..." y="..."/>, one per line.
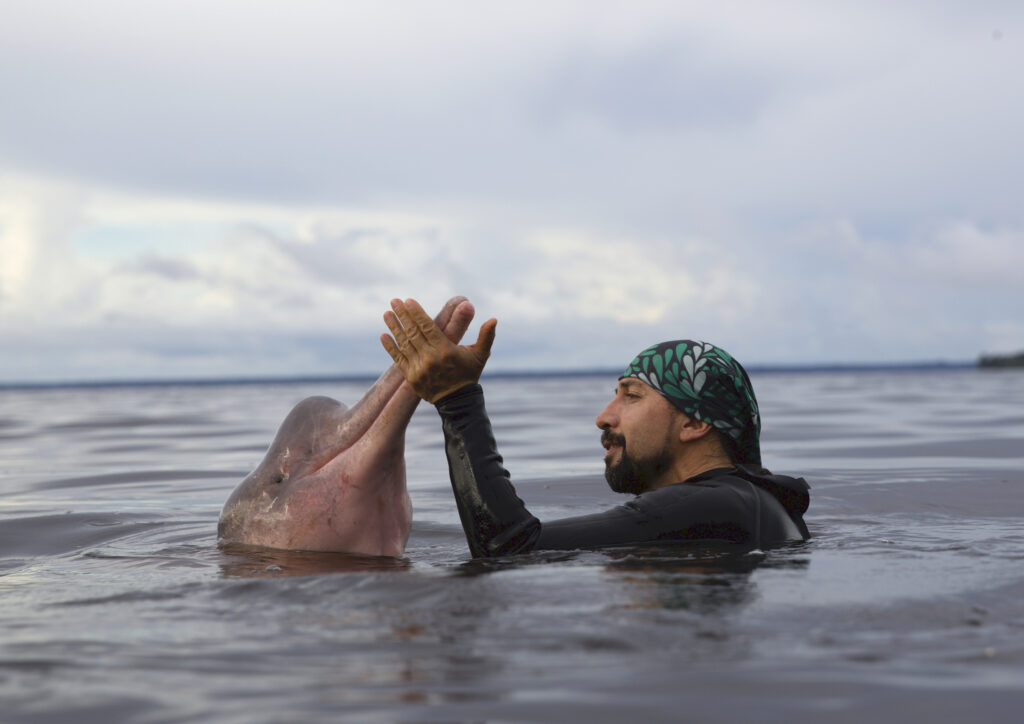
<point x="116" y="603"/>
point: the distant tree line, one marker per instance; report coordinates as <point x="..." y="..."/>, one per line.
<point x="1001" y="360"/>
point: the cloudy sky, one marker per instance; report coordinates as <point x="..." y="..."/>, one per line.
<point x="221" y="187"/>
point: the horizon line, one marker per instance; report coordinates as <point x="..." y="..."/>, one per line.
<point x="497" y="374"/>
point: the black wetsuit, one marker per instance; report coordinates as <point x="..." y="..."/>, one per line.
<point x="730" y="504"/>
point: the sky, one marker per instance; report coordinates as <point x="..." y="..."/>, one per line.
<point x="238" y="188"/>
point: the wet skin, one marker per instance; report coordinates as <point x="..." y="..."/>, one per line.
<point x="334" y="477"/>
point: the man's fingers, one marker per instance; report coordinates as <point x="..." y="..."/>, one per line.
<point x="424" y="324"/>
<point x="392" y="349"/>
<point x="484" y="340"/>
<point x="393" y="346"/>
<point x="407" y="334"/>
<point x="397" y="330"/>
<point x="431" y="362"/>
<point x="411" y="333"/>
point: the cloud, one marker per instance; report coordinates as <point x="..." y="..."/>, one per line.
<point x="300" y="290"/>
<point x="38" y="267"/>
<point x="967" y="257"/>
<point x="794" y="182"/>
<point x="573" y="276"/>
<point x="161" y="267"/>
<point x="847" y="108"/>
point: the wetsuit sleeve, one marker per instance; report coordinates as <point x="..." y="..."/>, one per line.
<point x="494" y="518"/>
<point x="496" y="521"/>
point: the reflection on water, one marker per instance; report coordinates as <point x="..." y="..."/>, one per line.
<point x="700" y="577"/>
<point x="255" y="562"/>
<point x="705" y="580"/>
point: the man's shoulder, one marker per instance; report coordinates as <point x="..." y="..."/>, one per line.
<point x="719" y="487"/>
<point x="722" y="499"/>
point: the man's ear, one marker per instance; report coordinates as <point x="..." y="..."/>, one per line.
<point x="692" y="429"/>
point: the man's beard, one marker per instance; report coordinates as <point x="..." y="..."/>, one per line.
<point x="634" y="476"/>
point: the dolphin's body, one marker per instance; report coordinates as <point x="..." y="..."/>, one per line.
<point x="334" y="478"/>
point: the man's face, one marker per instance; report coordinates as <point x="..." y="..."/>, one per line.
<point x="638" y="428"/>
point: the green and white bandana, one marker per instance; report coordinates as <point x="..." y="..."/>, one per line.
<point x="707" y="384"/>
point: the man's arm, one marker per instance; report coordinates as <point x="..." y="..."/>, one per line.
<point x="439" y="371"/>
<point x="494" y="518"/>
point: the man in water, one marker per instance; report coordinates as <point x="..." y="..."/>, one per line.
<point x="682" y="434"/>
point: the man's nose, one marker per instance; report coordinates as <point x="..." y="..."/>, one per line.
<point x="606" y="418"/>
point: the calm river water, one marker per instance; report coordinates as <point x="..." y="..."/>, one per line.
<point x="116" y="603"/>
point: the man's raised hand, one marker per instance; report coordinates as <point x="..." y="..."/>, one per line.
<point x="432" y="364"/>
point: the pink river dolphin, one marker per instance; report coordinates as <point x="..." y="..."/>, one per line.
<point x="334" y="477"/>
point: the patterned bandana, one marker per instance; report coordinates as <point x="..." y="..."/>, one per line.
<point x="707" y="384"/>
